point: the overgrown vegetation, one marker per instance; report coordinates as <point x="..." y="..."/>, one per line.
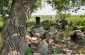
<point x="47" y="21"/>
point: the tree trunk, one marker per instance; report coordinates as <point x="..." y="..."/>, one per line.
<point x="14" y="30"/>
<point x="65" y="14"/>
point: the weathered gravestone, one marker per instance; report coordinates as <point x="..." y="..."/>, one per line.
<point x="52" y="31"/>
<point x="37" y="20"/>
<point x="30" y="31"/>
<point x="46" y="36"/>
<point x="78" y="36"/>
<point x="56" y="38"/>
<point x="79" y="27"/>
<point x="51" y="51"/>
<point x="42" y="48"/>
<point x="64" y="24"/>
<point x="40" y="32"/>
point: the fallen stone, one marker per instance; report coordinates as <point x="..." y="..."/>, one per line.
<point x="14" y="53"/>
<point x="42" y="48"/>
<point x="53" y="32"/>
<point x="51" y="51"/>
<point x="47" y="36"/>
<point x="78" y="36"/>
<point x="56" y="38"/>
<point x="64" y="23"/>
<point x="39" y="30"/>
<point x="36" y="53"/>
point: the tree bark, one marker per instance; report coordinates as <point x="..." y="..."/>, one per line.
<point x="14" y="30"/>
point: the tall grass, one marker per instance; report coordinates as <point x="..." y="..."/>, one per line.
<point x="73" y="20"/>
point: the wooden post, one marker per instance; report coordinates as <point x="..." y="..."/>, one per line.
<point x="37" y="20"/>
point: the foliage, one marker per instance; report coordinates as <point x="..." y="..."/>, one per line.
<point x="81" y="16"/>
<point x="73" y="20"/>
<point x="60" y="5"/>
<point x="31" y="23"/>
<point x="5" y="8"/>
<point x="47" y="23"/>
<point x="28" y="52"/>
<point x="66" y="5"/>
<point x="37" y="5"/>
<point x="1" y="24"/>
<point x="68" y="15"/>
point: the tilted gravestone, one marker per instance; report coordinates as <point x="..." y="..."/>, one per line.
<point x="78" y="36"/>
<point x="42" y="48"/>
<point x="64" y="24"/>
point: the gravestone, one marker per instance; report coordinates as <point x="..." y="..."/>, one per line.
<point x="56" y="38"/>
<point x="78" y="36"/>
<point x="64" y="23"/>
<point x="42" y="48"/>
<point x="52" y="32"/>
<point x="37" y="20"/>
<point x="46" y="36"/>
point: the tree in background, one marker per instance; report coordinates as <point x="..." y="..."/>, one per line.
<point x="77" y="4"/>
<point x="66" y="5"/>
<point x="5" y="6"/>
<point x="14" y="30"/>
<point x="60" y="5"/>
<point x="36" y="6"/>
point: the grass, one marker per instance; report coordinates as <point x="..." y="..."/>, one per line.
<point x="1" y="22"/>
<point x="28" y="52"/>
<point x="73" y="20"/>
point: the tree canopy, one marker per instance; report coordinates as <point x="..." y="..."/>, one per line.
<point x="37" y="5"/>
<point x="5" y="6"/>
<point x="59" y="5"/>
<point x="62" y="5"/>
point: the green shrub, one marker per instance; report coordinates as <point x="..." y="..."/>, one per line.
<point x="79" y="23"/>
<point x="68" y="15"/>
<point x="83" y="23"/>
<point x="1" y="24"/>
<point x="30" y="24"/>
<point x="47" y="23"/>
<point x="81" y="16"/>
<point x="28" y="52"/>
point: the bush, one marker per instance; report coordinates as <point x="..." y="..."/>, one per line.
<point x="83" y="23"/>
<point x="47" y="23"/>
<point x="28" y="52"/>
<point x="28" y="24"/>
<point x="68" y="15"/>
<point x="1" y="24"/>
<point x="81" y="16"/>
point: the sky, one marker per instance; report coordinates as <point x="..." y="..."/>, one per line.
<point x="45" y="10"/>
<point x="48" y="10"/>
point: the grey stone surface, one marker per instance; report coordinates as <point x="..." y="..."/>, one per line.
<point x="78" y="36"/>
<point x="42" y="48"/>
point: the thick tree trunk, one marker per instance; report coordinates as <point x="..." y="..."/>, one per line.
<point x="14" y="30"/>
